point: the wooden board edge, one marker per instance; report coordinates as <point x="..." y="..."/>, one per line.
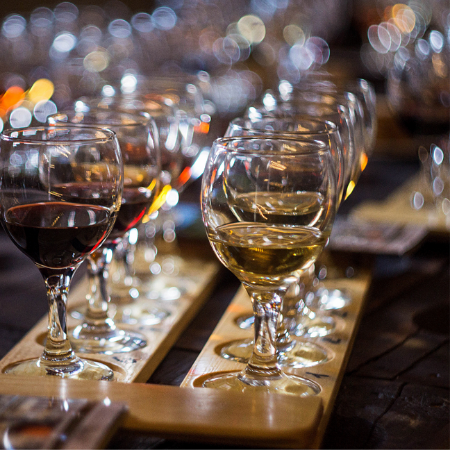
<point x="255" y="419"/>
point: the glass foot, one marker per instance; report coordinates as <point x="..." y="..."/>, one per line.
<point x="80" y="369"/>
<point x="141" y="313"/>
<point x="135" y="313"/>
<point x="116" y="341"/>
<point x="303" y="354"/>
<point x="317" y="327"/>
<point x="168" y="288"/>
<point x="333" y="299"/>
<point x="246" y="321"/>
<point x="282" y="384"/>
<point x="239" y="350"/>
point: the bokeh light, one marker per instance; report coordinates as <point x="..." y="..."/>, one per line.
<point x="43" y="109"/>
<point x="252" y="28"/>
<point x="20" y="117"/>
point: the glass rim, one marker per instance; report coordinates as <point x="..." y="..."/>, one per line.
<point x="314" y="147"/>
<point x="333" y="127"/>
<point x="106" y="103"/>
<point x="6" y="135"/>
<point x="133" y="114"/>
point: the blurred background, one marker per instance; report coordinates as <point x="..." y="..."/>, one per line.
<point x="51" y="53"/>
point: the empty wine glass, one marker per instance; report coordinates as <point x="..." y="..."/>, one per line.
<point x="41" y="168"/>
<point x="268" y="204"/>
<point x="136" y="135"/>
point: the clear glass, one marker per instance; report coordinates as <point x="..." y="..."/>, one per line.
<point x="159" y="262"/>
<point x="360" y="98"/>
<point x="141" y="164"/>
<point x="61" y="190"/>
<point x="353" y="112"/>
<point x="268" y="205"/>
<point x="291" y="352"/>
<point x="130" y="272"/>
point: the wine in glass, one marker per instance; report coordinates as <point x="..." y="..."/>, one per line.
<point x="135" y="254"/>
<point x="141" y="164"/>
<point x="40" y="170"/>
<point x="344" y="111"/>
<point x="360" y="96"/>
<point x="291" y="352"/>
<point x="254" y="194"/>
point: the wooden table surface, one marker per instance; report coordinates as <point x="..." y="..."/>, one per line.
<point x="395" y="393"/>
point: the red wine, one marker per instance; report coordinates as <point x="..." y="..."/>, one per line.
<point x="135" y="204"/>
<point x="57" y="234"/>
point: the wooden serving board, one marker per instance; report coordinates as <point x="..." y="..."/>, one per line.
<point x="251" y="419"/>
<point x="328" y="375"/>
<point x="136" y="366"/>
<point x="397" y="209"/>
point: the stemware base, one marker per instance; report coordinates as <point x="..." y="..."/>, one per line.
<point x="326" y="299"/>
<point x="115" y="341"/>
<point x="79" y="369"/>
<point x="282" y="384"/>
<point x="245" y="321"/>
<point x="141" y="312"/>
<point x="137" y="312"/>
<point x="301" y="354"/>
<point x="316" y="326"/>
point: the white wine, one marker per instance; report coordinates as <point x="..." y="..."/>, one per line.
<point x="262" y="253"/>
<point x="295" y="208"/>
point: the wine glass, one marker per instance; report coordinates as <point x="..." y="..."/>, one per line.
<point x="346" y="112"/>
<point x="325" y="82"/>
<point x="268" y="204"/>
<point x="136" y="135"/>
<point x="40" y="170"/>
<point x="290" y="352"/>
<point x="179" y="168"/>
<point x="364" y="113"/>
<point x="131" y="267"/>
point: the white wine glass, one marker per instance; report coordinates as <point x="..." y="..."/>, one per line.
<point x="40" y="170"/>
<point x="254" y="192"/>
<point x="291" y="352"/>
<point x="345" y="112"/>
<point x="361" y="98"/>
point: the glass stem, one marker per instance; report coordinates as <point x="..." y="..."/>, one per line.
<point x="285" y="319"/>
<point x="98" y="297"/>
<point x="266" y="308"/>
<point x="303" y="314"/>
<point x="57" y="351"/>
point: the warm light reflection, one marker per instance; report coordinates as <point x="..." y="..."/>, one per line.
<point x="364" y="161"/>
<point x="350" y="187"/>
<point x="159" y="201"/>
<point x="404" y="17"/>
<point x="42" y="89"/>
<point x="12" y="97"/>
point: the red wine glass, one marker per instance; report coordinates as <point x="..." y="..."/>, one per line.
<point x="40" y="170"/>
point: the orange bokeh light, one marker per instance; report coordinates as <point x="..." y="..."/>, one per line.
<point x="12" y="97"/>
